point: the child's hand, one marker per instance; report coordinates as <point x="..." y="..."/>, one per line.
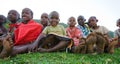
<point x="33" y="47"/>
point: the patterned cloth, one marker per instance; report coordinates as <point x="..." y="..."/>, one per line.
<point x="85" y="30"/>
<point x="12" y="27"/>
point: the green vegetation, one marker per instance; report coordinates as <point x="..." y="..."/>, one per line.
<point x="65" y="25"/>
<point x="111" y="34"/>
<point x="63" y="58"/>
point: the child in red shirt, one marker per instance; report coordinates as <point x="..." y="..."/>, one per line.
<point x="73" y="32"/>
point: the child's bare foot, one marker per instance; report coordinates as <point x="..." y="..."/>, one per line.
<point x="3" y="54"/>
<point x="7" y="43"/>
<point x="7" y="46"/>
<point x="42" y="50"/>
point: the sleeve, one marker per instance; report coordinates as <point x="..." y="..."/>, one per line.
<point x="45" y="31"/>
<point x="116" y="33"/>
<point x="105" y="30"/>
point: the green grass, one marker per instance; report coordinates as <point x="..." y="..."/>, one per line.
<point x="63" y="58"/>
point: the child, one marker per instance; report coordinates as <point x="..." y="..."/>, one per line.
<point x="117" y="33"/>
<point x="96" y="28"/>
<point x="103" y="30"/>
<point x="3" y="33"/>
<point x="55" y="35"/>
<point x="25" y="34"/>
<point x="13" y="17"/>
<point x="44" y="20"/>
<point x="73" y="32"/>
<point x="82" y="26"/>
<point x="3" y="30"/>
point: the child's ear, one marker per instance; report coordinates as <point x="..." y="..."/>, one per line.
<point x="96" y="20"/>
<point x="58" y="19"/>
<point x="117" y="25"/>
<point x="68" y="23"/>
<point x="84" y="19"/>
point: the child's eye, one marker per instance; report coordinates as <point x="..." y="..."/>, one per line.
<point x="14" y="14"/>
<point x="52" y="17"/>
<point x="46" y="17"/>
<point x="56" y="17"/>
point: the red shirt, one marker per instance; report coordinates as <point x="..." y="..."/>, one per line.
<point x="26" y="33"/>
<point x="74" y="33"/>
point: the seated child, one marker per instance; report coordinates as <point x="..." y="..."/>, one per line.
<point x="55" y="35"/>
<point x="73" y="32"/>
<point x="3" y="30"/>
<point x="24" y="35"/>
<point x="103" y="30"/>
<point x="44" y="20"/>
<point x="82" y="26"/>
<point x="13" y="17"/>
<point x="3" y="33"/>
<point x="117" y="33"/>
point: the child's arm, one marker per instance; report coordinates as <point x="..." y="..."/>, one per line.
<point x="78" y="34"/>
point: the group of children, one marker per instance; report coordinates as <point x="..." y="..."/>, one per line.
<point x="46" y="36"/>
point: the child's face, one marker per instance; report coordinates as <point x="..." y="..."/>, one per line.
<point x="118" y="24"/>
<point x="44" y="19"/>
<point x="54" y="19"/>
<point x="81" y="21"/>
<point x="13" y="16"/>
<point x="92" y="21"/>
<point x="72" y="22"/>
<point x="26" y="15"/>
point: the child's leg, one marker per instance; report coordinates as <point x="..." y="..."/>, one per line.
<point x="19" y="49"/>
<point x="49" y="39"/>
<point x="37" y="43"/>
<point x="100" y="44"/>
<point x="111" y="46"/>
<point x="81" y="47"/>
<point x="60" y="45"/>
<point x="24" y="49"/>
<point x="100" y="47"/>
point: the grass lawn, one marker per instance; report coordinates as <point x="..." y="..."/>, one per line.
<point x="63" y="58"/>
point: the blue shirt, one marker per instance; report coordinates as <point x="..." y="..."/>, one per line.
<point x="85" y="30"/>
